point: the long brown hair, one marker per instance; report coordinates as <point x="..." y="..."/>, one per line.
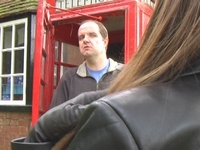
<point x="170" y="43"/>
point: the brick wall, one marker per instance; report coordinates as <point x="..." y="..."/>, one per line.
<point x="13" y="125"/>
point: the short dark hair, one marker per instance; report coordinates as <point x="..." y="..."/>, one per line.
<point x="102" y="29"/>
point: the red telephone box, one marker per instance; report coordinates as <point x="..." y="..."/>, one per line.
<point x="124" y="19"/>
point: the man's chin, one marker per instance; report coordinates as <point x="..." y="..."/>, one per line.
<point x="87" y="55"/>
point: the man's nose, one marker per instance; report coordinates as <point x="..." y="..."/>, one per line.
<point x="86" y="38"/>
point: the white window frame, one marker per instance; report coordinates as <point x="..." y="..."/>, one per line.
<point x="66" y="4"/>
<point x="12" y="50"/>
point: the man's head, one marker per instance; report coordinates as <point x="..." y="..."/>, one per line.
<point x="93" y="38"/>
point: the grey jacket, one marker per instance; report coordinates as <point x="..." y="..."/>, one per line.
<point x="76" y="80"/>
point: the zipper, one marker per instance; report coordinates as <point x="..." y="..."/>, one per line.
<point x="97" y="86"/>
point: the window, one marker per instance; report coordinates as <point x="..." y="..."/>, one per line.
<point x="72" y="4"/>
<point x="66" y="56"/>
<point x="13" y="55"/>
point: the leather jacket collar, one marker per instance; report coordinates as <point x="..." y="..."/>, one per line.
<point x="193" y="69"/>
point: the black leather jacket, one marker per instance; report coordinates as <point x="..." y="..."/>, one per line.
<point x="159" y="117"/>
<point x="58" y="121"/>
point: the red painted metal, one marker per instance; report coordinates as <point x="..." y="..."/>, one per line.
<point x="37" y="61"/>
<point x="130" y="31"/>
<point x="99" y="9"/>
<point x="51" y="3"/>
<point x="136" y="23"/>
<point x="67" y="29"/>
<point x="42" y="83"/>
<point x="143" y="14"/>
<point x="48" y="71"/>
<point x="74" y="12"/>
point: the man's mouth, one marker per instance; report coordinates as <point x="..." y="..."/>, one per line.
<point x="85" y="47"/>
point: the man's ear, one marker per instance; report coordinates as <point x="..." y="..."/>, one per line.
<point x="106" y="40"/>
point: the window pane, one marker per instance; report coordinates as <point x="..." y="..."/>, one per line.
<point x="43" y="67"/>
<point x="6" y="62"/>
<point x="18" y="88"/>
<point x="62" y="70"/>
<point x="56" y="51"/>
<point x="5" y="88"/>
<point x="44" y="40"/>
<point x="55" y="75"/>
<point x="19" y="35"/>
<point x="71" y="54"/>
<point x="7" y="40"/>
<point x="19" y="61"/>
<point x="41" y="97"/>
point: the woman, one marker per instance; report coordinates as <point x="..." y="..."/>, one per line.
<point x="154" y="103"/>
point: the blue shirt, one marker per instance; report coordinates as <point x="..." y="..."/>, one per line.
<point x="97" y="74"/>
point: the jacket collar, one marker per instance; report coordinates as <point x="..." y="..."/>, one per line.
<point x="81" y="71"/>
<point x="193" y="69"/>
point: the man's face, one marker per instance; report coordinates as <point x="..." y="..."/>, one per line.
<point x="91" y="42"/>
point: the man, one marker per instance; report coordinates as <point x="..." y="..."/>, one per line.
<point x="96" y="72"/>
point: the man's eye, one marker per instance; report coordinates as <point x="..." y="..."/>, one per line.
<point x="93" y="35"/>
<point x="80" y="38"/>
